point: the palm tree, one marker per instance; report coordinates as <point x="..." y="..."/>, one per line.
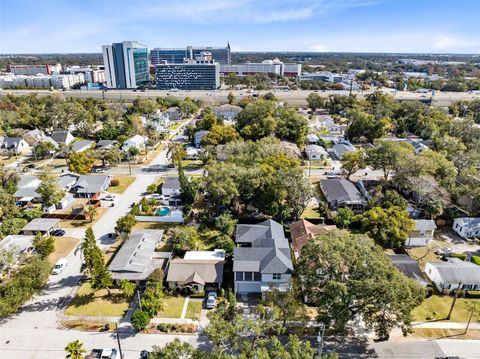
<point x="92" y="212"/>
<point x="127" y="287"/>
<point x="75" y="350"/>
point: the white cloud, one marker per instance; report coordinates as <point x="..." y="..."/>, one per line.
<point x="452" y="42"/>
<point x="318" y="48"/>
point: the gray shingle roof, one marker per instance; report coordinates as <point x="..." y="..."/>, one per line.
<point x="136" y="254"/>
<point x="92" y="183"/>
<point x="60" y="136"/>
<point x="455" y="271"/>
<point x="425" y="225"/>
<point x="41" y="224"/>
<point x="341" y="190"/>
<point x="195" y="270"/>
<point x="80" y="145"/>
<point x="172" y="182"/>
<point x="106" y="144"/>
<point x="269" y="251"/>
<point x="407" y="266"/>
<point x="17" y="243"/>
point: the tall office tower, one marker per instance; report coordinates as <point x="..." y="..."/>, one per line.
<point x="126" y="65"/>
<point x="179" y="56"/>
<point x="200" y="74"/>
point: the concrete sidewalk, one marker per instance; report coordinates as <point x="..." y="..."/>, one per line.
<point x="445" y="325"/>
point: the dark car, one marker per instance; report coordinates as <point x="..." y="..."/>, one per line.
<point x="58" y="232"/>
<point x="31" y="165"/>
<point x="144" y="354"/>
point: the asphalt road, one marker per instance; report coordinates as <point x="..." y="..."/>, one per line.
<point x="296" y="97"/>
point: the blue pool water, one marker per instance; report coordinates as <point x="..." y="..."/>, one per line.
<point x="163" y="211"/>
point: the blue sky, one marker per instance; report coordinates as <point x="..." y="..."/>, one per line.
<point x="42" y="26"/>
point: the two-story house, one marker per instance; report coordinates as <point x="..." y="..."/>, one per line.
<point x="422" y="235"/>
<point x="262" y="258"/>
<point x="171" y="191"/>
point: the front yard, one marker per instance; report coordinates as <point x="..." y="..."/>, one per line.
<point x="124" y="182"/>
<point x="437" y="307"/>
<point x="97" y="303"/>
<point x="173" y="306"/>
<point x="76" y="223"/>
<point x="63" y="246"/>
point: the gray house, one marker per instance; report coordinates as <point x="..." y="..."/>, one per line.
<point x="341" y="193"/>
<point x="262" y="258"/>
<point x="62" y="137"/>
<point x="81" y="146"/>
<point x="198" y="137"/>
<point x="448" y="276"/>
<point x="408" y="267"/>
<point x="137" y="258"/>
<point x="91" y="185"/>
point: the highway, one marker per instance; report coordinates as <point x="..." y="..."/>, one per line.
<point x="296" y="97"/>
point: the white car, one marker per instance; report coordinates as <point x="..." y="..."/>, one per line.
<point x="60" y="266"/>
<point x="108" y="354"/>
<point x="211" y="300"/>
<point x="108" y="197"/>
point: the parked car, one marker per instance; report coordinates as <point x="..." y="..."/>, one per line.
<point x="156" y="196"/>
<point x="60" y="266"/>
<point x="108" y="353"/>
<point x="108" y="197"/>
<point x="445" y="251"/>
<point x="31" y="165"/>
<point x="98" y="170"/>
<point x="211" y="300"/>
<point x="144" y="354"/>
<point x="58" y="232"/>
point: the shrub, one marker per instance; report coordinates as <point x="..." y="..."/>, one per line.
<point x="428" y="292"/>
<point x="152" y="188"/>
<point x="115" y="182"/>
<point x="475" y="259"/>
<point x="140" y="319"/>
<point x="460" y="256"/>
<point x="472" y="294"/>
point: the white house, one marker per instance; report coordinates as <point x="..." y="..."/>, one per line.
<point x="62" y="137"/>
<point x="228" y="112"/>
<point x="82" y="145"/>
<point x="448" y="276"/>
<point x="192" y="153"/>
<point x="315" y="152"/>
<point x="467" y="227"/>
<point x="14" y="145"/>
<point x="312" y="138"/>
<point x="422" y="235"/>
<point x="171" y="191"/>
<point x="136" y="141"/>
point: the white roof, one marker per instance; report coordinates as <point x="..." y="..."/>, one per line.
<point x="205" y="255"/>
<point x="17" y="243"/>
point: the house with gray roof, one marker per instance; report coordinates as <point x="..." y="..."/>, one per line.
<point x="44" y="226"/>
<point x="62" y="137"/>
<point x="91" y="185"/>
<point x="28" y="184"/>
<point x="448" y="276"/>
<point x="341" y="148"/>
<point x="18" y="244"/>
<point x="14" y="145"/>
<point x="81" y="146"/>
<point x="198" y="137"/>
<point x="137" y="259"/>
<point x="227" y="111"/>
<point x="262" y="258"/>
<point x="409" y="267"/>
<point x="174" y="113"/>
<point x="467" y="227"/>
<point x="105" y="144"/>
<point x="171" y="191"/>
<point x="341" y="193"/>
<point x="422" y="235"/>
<point x="315" y="152"/>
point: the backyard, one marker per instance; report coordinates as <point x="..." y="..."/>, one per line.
<point x="88" y="302"/>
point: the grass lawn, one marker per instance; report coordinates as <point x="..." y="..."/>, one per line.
<point x="192" y="164"/>
<point x="175" y="126"/>
<point x="440" y="304"/>
<point x="125" y="181"/>
<point x="446" y="333"/>
<point x="99" y="303"/>
<point x="172" y="307"/>
<point x="311" y="212"/>
<point x="5" y="160"/>
<point x="194" y="309"/>
<point x="426" y="254"/>
<point x="83" y="223"/>
<point x="63" y="246"/>
<point x="154" y="225"/>
<point x="89" y="326"/>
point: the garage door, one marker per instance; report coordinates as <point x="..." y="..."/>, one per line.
<point x="248" y="287"/>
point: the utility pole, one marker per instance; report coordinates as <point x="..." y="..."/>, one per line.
<point x="470" y="319"/>
<point x="139" y="301"/>
<point x="118" y="340"/>
<point x="454" y="300"/>
<point x="320" y="339"/>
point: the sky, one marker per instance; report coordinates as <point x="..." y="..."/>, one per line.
<point x="411" y="26"/>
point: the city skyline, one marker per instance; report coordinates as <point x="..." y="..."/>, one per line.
<point x="399" y="26"/>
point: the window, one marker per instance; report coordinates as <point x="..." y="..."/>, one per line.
<point x="239" y="276"/>
<point x="248" y="276"/>
<point x="277" y="276"/>
<point x="257" y="277"/>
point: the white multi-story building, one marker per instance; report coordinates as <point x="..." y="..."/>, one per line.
<point x="268" y="67"/>
<point x="42" y="81"/>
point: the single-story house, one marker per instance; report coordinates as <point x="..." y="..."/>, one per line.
<point x="467" y="227"/>
<point x="448" y="276"/>
<point x="291" y="149"/>
<point x="325" y="123"/>
<point x="341" y="148"/>
<point x="45" y="226"/>
<point x="315" y="152"/>
<point x="409" y="267"/>
<point x="201" y="270"/>
<point x="81" y="146"/>
<point x="171" y="191"/>
<point x="28" y="184"/>
<point x="422" y="235"/>
<point x="106" y="144"/>
<point x="174" y="113"/>
<point x="14" y="145"/>
<point x="91" y="185"/>
<point x="227" y="111"/>
<point x="192" y="153"/>
<point x="302" y="231"/>
<point x="341" y="193"/>
<point x="18" y="243"/>
<point x="312" y="139"/>
<point x="136" y="141"/>
<point x="62" y="137"/>
<point x="198" y="137"/>
<point x="262" y="258"/>
<point x="137" y="259"/>
<point x="34" y="136"/>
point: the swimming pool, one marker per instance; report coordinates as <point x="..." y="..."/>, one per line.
<point x="163" y="211"/>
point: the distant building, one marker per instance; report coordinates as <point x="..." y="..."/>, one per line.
<point x="198" y="137"/>
<point x="34" y="69"/>
<point x="321" y="76"/>
<point x="62" y="137"/>
<point x="341" y="148"/>
<point x="158" y="56"/>
<point x="137" y="141"/>
<point x="200" y="74"/>
<point x="66" y="81"/>
<point x="126" y="65"/>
